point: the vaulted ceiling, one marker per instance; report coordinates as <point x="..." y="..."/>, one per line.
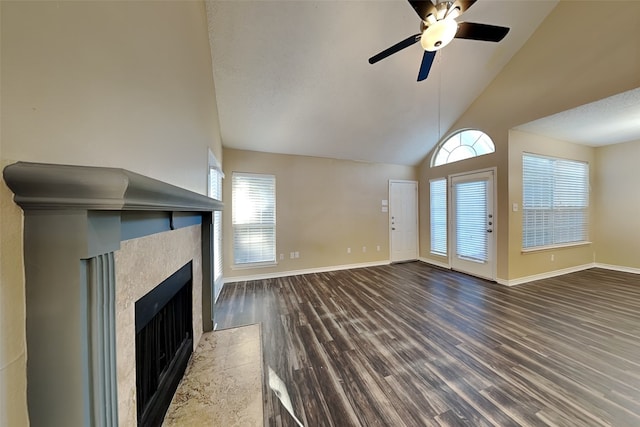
<point x="292" y="77"/>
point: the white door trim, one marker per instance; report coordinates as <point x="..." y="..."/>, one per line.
<point x="417" y="220"/>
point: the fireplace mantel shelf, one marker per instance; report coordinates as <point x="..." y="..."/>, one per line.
<point x="40" y="186"/>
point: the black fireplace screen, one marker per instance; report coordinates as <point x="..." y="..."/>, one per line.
<point x="164" y="342"/>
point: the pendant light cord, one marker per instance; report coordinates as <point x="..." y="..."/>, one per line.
<point x="439" y="94"/>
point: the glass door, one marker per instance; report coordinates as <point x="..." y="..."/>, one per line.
<point x="473" y="224"/>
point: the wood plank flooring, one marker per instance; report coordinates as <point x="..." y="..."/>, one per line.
<point x="413" y="345"/>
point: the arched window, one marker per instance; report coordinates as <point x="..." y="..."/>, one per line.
<point x="463" y="144"/>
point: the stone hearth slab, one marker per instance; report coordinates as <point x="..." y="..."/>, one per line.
<point x="222" y="385"/>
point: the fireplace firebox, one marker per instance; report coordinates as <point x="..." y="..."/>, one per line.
<point x="164" y="343"/>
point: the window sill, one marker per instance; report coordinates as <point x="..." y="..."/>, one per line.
<point x="253" y="265"/>
<point x="552" y="247"/>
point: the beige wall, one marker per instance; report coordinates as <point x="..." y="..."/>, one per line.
<point x="581" y="53"/>
<point x="323" y="206"/>
<point x="121" y="84"/>
<point x="617" y="205"/>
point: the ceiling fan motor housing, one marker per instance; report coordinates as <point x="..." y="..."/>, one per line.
<point x="439" y="34"/>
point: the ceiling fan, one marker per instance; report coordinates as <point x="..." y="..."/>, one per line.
<point x="438" y="27"/>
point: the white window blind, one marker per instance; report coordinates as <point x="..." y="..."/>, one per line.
<point x="215" y="192"/>
<point x="555" y="205"/>
<point x="215" y="183"/>
<point x="438" y="202"/>
<point x="254" y="218"/>
<point x="471" y="221"/>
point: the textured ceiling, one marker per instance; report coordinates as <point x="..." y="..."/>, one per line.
<point x="609" y="121"/>
<point x="292" y="76"/>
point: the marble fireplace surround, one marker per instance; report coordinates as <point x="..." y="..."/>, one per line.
<point x="95" y="240"/>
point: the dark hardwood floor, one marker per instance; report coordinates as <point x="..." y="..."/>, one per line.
<point x="412" y="345"/>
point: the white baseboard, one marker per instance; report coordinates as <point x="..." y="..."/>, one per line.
<point x="618" y="268"/>
<point x="547" y="275"/>
<point x="435" y="263"/>
<point x="305" y="271"/>
<point x="506" y="282"/>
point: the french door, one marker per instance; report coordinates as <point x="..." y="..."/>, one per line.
<point x="473" y="224"/>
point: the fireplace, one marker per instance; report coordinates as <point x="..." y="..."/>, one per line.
<point x="164" y="343"/>
<point x="97" y="241"/>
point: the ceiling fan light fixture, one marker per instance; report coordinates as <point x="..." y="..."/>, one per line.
<point x="438" y="35"/>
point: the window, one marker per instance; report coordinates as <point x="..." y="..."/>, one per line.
<point x="254" y="218"/>
<point x="438" y="203"/>
<point x="215" y="183"/>
<point x="215" y="192"/>
<point x="470" y="200"/>
<point x="463" y="145"/>
<point x="555" y="201"/>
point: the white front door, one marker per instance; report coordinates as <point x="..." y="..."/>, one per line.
<point x="473" y="224"/>
<point x="403" y="220"/>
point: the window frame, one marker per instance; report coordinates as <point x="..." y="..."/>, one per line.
<point x="558" y="205"/>
<point x="214" y="191"/>
<point x="443" y="206"/>
<point x="483" y="137"/>
<point x="257" y="225"/>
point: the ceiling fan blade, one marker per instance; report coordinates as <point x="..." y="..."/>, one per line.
<point x="484" y="32"/>
<point x="395" y="48"/>
<point x="423" y="8"/>
<point x="463" y="4"/>
<point x="427" y="60"/>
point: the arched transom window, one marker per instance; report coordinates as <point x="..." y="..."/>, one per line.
<point x="462" y="145"/>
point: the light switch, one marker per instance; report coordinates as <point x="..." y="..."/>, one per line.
<point x="384" y="209"/>
<point x="385" y="203"/>
<point x="515" y="207"/>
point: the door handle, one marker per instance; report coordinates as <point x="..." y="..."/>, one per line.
<point x="489" y="231"/>
<point x="393" y="228"/>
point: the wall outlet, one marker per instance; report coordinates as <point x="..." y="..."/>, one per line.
<point x="378" y="248"/>
<point x="281" y="257"/>
<point x="292" y="255"/>
<point x="553" y="257"/>
<point x="297" y="254"/>
<point x="348" y="250"/>
<point x="364" y="249"/>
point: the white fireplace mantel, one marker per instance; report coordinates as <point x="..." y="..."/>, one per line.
<point x="75" y="218"/>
